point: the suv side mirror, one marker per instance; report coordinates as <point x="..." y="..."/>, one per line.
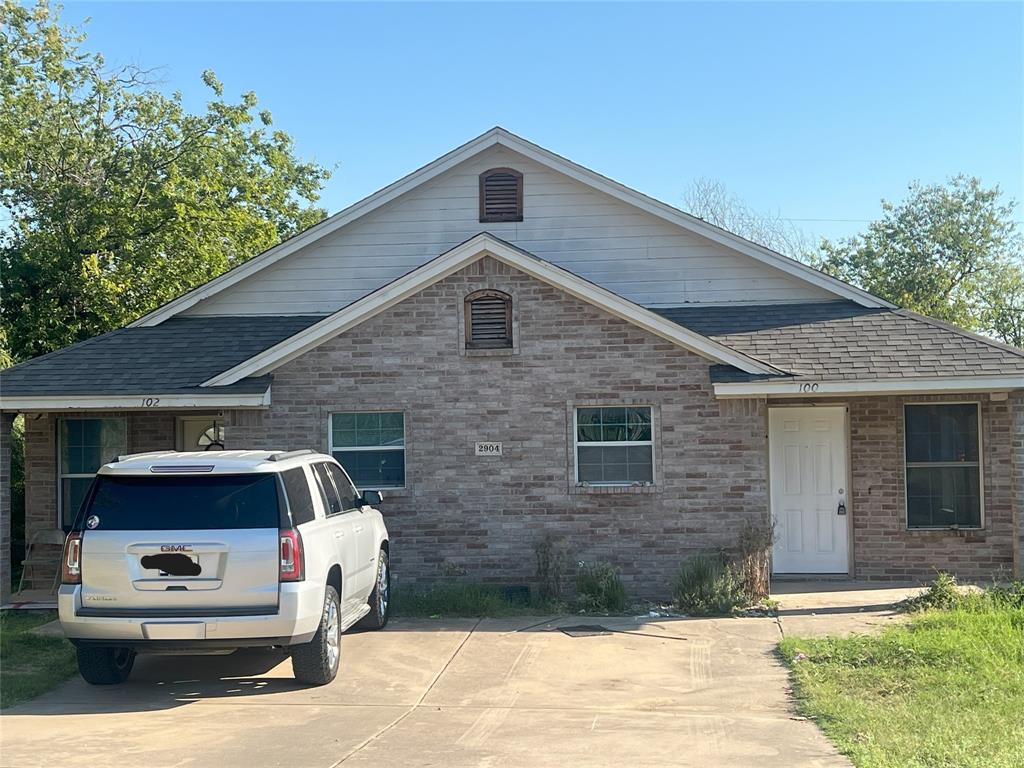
<point x="371" y="498"/>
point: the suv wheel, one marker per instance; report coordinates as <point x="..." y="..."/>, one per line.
<point x="316" y="662"/>
<point x="380" y="598"/>
<point x="105" y="666"/>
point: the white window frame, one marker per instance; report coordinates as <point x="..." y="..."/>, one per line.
<point x="331" y="448"/>
<point x="924" y="464"/>
<point x="610" y="444"/>
<point x="62" y="476"/>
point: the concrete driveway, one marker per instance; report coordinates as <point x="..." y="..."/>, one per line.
<point x="512" y="692"/>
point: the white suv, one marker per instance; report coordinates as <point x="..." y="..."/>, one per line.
<point x="211" y="551"/>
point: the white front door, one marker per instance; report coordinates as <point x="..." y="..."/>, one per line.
<point x="807" y="451"/>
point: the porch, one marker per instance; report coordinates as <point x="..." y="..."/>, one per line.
<point x="62" y="451"/>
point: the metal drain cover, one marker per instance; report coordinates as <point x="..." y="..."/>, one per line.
<point x="585" y="630"/>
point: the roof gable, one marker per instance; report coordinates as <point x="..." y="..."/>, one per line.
<point x="448" y="263"/>
<point x="498" y="137"/>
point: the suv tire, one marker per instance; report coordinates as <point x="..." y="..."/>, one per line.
<point x="105" y="666"/>
<point x="380" y="598"/>
<point x="316" y="662"/>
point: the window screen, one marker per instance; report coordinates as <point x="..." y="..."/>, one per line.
<point x="614" y="446"/>
<point x="85" y="446"/>
<point x="371" y="447"/>
<point x="943" y="466"/>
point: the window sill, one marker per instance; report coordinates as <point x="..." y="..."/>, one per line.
<point x="608" y="490"/>
<point x="975" y="534"/>
<point x="489" y="351"/>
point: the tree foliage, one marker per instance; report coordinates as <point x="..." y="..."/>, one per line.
<point x="951" y="251"/>
<point x="710" y="200"/>
<point x="118" y="198"/>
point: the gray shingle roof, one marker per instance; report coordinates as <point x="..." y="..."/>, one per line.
<point x="838" y="340"/>
<point x="841" y="340"/>
<point x="173" y="357"/>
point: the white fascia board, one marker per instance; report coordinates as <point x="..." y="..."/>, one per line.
<point x="451" y="262"/>
<point x="804" y="387"/>
<point x="132" y="402"/>
<point x="499" y="136"/>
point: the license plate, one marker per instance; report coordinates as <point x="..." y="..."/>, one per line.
<point x="174" y="564"/>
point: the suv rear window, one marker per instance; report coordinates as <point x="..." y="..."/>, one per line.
<point x="183" y="502"/>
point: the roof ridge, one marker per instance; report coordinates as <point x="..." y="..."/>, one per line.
<point x="959" y="331"/>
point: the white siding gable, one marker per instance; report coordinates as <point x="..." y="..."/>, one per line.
<point x="622" y="248"/>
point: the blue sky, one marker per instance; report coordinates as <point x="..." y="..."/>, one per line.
<point x="813" y="110"/>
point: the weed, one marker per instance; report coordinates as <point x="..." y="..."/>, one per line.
<point x="552" y="560"/>
<point x="708" y="584"/>
<point x="599" y="588"/>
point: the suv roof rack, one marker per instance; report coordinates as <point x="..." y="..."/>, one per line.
<point x="282" y="455"/>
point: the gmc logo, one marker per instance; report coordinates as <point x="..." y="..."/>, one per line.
<point x="175" y="548"/>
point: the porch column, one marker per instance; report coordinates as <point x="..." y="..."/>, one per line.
<point x="6" y="424"/>
<point x="1017" y="446"/>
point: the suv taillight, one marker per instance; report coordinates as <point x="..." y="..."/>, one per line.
<point x="71" y="562"/>
<point x="292" y="560"/>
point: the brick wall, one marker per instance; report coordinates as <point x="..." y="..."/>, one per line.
<point x="6" y="422"/>
<point x="481" y="516"/>
<point x="883" y="547"/>
<point x="1017" y="441"/>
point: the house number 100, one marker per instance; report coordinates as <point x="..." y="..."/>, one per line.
<point x="810" y="387"/>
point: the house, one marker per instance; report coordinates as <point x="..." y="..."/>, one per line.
<point x="512" y="345"/>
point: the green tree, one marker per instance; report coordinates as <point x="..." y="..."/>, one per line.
<point x="1002" y="305"/>
<point x="951" y="251"/>
<point x="118" y="198"/>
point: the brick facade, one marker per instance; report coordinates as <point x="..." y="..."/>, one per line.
<point x="6" y="423"/>
<point x="883" y="548"/>
<point x="1017" y="440"/>
<point x="481" y="516"/>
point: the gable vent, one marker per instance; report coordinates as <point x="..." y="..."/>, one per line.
<point x="501" y="195"/>
<point x="488" y="320"/>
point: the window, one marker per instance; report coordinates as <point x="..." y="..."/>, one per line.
<point x="85" y="445"/>
<point x="943" y="466"/>
<point x="347" y="493"/>
<point x="200" y="433"/>
<point x="371" y="447"/>
<point x="300" y="501"/>
<point x="329" y="494"/>
<point x="186" y="502"/>
<point x="614" y="446"/>
<point x="501" y="195"/>
<point x="488" y="320"/>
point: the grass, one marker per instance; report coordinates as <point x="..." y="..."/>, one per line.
<point x="944" y="690"/>
<point x="31" y="664"/>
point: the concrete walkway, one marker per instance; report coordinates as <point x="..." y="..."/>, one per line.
<point x="514" y="692"/>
